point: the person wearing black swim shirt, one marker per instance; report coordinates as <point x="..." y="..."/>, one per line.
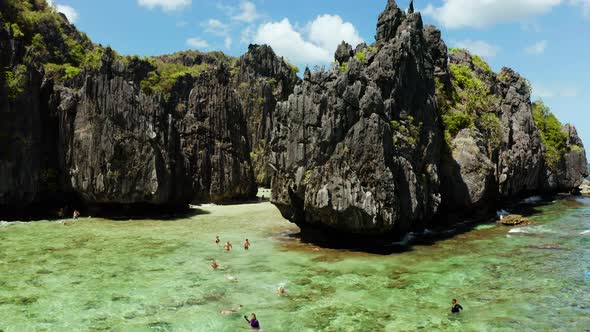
<point x="456" y="308"/>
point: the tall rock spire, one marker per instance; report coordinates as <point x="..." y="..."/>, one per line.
<point x="388" y="22"/>
<point x="411" y="8"/>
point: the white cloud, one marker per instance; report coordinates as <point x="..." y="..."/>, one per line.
<point x="585" y="4"/>
<point x="227" y="42"/>
<point x="247" y="12"/>
<point x="478" y="47"/>
<point x="542" y="92"/>
<point x="181" y="24"/>
<point x="455" y="14"/>
<point x="219" y="29"/>
<point x="564" y="91"/>
<point x="569" y="92"/>
<point x="68" y="11"/>
<point x="537" y="48"/>
<point x="166" y="5"/>
<point x="328" y="31"/>
<point x="313" y="45"/>
<point x="196" y="42"/>
<point x="215" y="27"/>
<point x="290" y="43"/>
<point x="247" y="35"/>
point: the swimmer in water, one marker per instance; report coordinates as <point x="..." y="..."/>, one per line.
<point x="456" y="308"/>
<point x="214" y="265"/>
<point x="228" y="246"/>
<point x="217" y="240"/>
<point x="231" y="311"/>
<point x="231" y="278"/>
<point x="281" y="291"/>
<point x="247" y="244"/>
<point x="253" y="321"/>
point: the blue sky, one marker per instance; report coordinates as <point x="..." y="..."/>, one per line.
<point x="545" y="40"/>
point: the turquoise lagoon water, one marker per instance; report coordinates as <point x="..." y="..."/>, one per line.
<point x="155" y="275"/>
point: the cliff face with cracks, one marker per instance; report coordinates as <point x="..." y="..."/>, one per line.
<point x="120" y="145"/>
<point x="394" y="135"/>
<point x="112" y="130"/>
<point x="261" y="79"/>
<point x="357" y="148"/>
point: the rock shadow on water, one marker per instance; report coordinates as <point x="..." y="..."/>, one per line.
<point x="125" y="212"/>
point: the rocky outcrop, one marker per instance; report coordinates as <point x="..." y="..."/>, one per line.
<point x="28" y="172"/>
<point x="572" y="168"/>
<point x="357" y="148"/>
<point x="515" y="220"/>
<point x="468" y="174"/>
<point x="360" y="149"/>
<point x="121" y="146"/>
<point x="102" y="137"/>
<point x="521" y="158"/>
<point x="262" y="79"/>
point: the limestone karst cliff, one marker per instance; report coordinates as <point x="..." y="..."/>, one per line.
<point x="400" y="132"/>
<point x="80" y="121"/>
<point x="393" y="136"/>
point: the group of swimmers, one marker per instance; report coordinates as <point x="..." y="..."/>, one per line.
<point x="252" y="321"/>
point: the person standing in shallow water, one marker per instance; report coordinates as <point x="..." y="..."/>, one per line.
<point x="246" y="244"/>
<point x="254" y="324"/>
<point x="228" y="246"/>
<point x="76" y="214"/>
<point x="456" y="308"/>
<point x="214" y="265"/>
<point x="217" y="240"/>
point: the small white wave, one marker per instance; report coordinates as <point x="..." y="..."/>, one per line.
<point x="532" y="200"/>
<point x="585" y="232"/>
<point x="405" y="240"/>
<point x="502" y="212"/>
<point x="519" y="230"/>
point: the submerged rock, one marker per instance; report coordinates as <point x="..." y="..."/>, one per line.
<point x="515" y="220"/>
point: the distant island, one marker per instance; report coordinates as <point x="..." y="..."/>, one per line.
<point x="394" y="135"/>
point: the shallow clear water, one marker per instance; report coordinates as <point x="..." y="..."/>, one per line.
<point x="150" y="275"/>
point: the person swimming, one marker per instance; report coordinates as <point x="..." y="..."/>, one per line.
<point x="214" y="265"/>
<point x="231" y="278"/>
<point x="247" y="244"/>
<point x="228" y="246"/>
<point x="231" y="311"/>
<point x="217" y="240"/>
<point x="253" y="321"/>
<point x="281" y="291"/>
<point x="456" y="308"/>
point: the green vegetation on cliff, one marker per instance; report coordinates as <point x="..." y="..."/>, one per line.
<point x="52" y="43"/>
<point x="469" y="103"/>
<point x="16" y="80"/>
<point x="554" y="139"/>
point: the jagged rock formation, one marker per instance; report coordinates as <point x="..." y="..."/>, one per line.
<point x="262" y="79"/>
<point x="123" y="146"/>
<point x="78" y="120"/>
<point x="357" y="148"/>
<point x="394" y="134"/>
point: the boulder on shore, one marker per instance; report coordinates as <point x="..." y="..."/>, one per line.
<point x="515" y="220"/>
